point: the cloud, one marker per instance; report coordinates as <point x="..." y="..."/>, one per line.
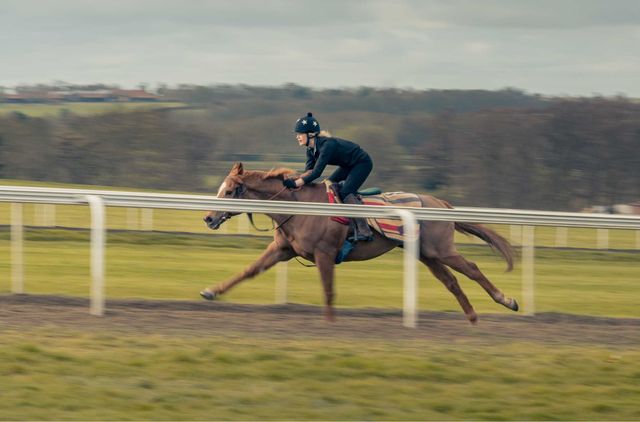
<point x="581" y="46"/>
<point x="543" y="14"/>
<point x="478" y="47"/>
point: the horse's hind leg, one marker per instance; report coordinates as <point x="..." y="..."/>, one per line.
<point x="447" y="278"/>
<point x="271" y="256"/>
<point x="471" y="270"/>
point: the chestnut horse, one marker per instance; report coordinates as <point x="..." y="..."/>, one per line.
<point x="319" y="239"/>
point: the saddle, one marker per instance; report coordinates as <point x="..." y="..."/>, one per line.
<point x="388" y="227"/>
<point x="333" y="194"/>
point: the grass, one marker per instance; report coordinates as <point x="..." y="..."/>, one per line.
<point x="178" y="266"/>
<point x="70" y="375"/>
<point x="84" y="109"/>
<point x="53" y="373"/>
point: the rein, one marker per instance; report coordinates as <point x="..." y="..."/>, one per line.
<point x="240" y="190"/>
<point x="250" y="215"/>
<point x="277" y="194"/>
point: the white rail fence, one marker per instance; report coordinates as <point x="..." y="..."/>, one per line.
<point x="98" y="199"/>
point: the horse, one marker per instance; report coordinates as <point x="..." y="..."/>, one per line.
<point x="319" y="239"/>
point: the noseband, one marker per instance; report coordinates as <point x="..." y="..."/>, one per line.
<point x="237" y="193"/>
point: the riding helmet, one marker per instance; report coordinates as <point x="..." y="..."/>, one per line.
<point x="307" y="124"/>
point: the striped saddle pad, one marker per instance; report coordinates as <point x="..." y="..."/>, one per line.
<point x="388" y="227"/>
<point x="391" y="228"/>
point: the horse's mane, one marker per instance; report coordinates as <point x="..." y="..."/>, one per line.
<point x="279" y="173"/>
<point x="257" y="175"/>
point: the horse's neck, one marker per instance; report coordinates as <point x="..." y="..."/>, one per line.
<point x="309" y="193"/>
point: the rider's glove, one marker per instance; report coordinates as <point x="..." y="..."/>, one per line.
<point x="289" y="183"/>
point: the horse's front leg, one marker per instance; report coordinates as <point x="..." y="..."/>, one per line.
<point x="271" y="256"/>
<point x="326" y="265"/>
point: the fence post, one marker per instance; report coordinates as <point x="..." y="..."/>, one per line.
<point x="38" y="215"/>
<point x="97" y="254"/>
<point x="132" y="219"/>
<point x="411" y="249"/>
<point x="562" y="237"/>
<point x="603" y="238"/>
<point x="50" y="215"/>
<point x="528" y="270"/>
<point x="146" y="222"/>
<point x="17" y="252"/>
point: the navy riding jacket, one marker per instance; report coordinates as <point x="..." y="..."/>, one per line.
<point x="334" y="151"/>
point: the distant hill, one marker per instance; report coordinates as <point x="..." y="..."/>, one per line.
<point x="501" y="148"/>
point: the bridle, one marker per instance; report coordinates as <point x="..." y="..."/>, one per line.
<point x="237" y="194"/>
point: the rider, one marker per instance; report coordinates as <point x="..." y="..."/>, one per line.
<point x="354" y="165"/>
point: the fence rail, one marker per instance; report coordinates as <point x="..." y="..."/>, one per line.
<point x="205" y="203"/>
<point x="98" y="199"/>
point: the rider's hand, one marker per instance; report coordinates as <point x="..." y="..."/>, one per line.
<point x="289" y="183"/>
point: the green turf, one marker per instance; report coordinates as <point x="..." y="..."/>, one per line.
<point x="178" y="266"/>
<point x="64" y="374"/>
<point x="70" y="375"/>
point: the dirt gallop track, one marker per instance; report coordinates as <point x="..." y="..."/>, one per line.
<point x="303" y="321"/>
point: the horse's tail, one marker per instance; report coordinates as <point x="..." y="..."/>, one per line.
<point x="492" y="238"/>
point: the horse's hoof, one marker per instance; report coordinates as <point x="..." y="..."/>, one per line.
<point x="207" y="294"/>
<point x="514" y="305"/>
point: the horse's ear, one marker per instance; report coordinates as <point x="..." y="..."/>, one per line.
<point x="237" y="168"/>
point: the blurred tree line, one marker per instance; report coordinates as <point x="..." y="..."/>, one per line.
<point x="474" y="148"/>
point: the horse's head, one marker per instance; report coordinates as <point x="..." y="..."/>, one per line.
<point x="249" y="185"/>
<point x="232" y="187"/>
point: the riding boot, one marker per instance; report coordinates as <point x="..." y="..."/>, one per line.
<point x="362" y="231"/>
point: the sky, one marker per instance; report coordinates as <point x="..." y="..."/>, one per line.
<point x="550" y="47"/>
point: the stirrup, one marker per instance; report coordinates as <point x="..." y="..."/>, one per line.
<point x="359" y="237"/>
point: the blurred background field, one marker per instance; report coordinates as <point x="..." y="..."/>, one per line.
<point x="504" y="148"/>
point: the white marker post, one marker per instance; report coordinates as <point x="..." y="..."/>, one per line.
<point x="411" y="250"/>
<point x="17" y="257"/>
<point x="527" y="270"/>
<point x="97" y="254"/>
<point x="603" y="238"/>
